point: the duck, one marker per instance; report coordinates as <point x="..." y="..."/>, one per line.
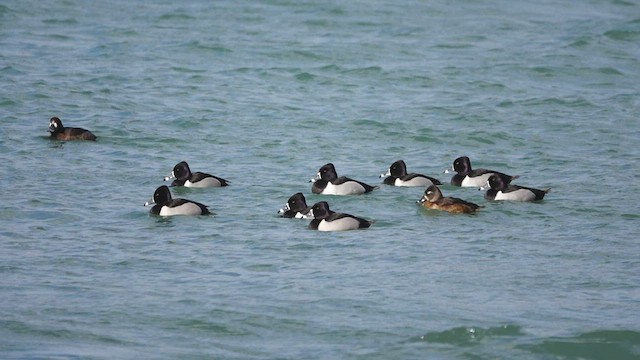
<point x="500" y="189"/>
<point x="60" y="132"/>
<point x="326" y="220"/>
<point x="296" y="207"/>
<point x="165" y="205"/>
<point x="327" y="182"/>
<point x="467" y="177"/>
<point x="397" y="176"/>
<point x="184" y="177"/>
<point x="433" y="199"/>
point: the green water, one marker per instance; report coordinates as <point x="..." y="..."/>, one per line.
<point x="263" y="94"/>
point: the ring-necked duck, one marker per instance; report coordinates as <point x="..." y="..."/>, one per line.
<point x="296" y="207"/>
<point x="184" y="177"/>
<point x="164" y="205"/>
<point x="327" y="182"/>
<point x="500" y="189"/>
<point x="433" y="199"/>
<point x="467" y="177"/>
<point x="59" y="132"/>
<point x="398" y="176"/>
<point x="326" y="220"/>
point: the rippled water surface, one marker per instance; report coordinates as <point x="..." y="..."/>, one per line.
<point x="264" y="93"/>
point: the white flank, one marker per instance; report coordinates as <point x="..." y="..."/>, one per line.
<point x="348" y="188"/>
<point x="204" y="183"/>
<point x="476" y="182"/>
<point x="346" y="223"/>
<point x="416" y="181"/>
<point x="518" y="195"/>
<point x="184" y="209"/>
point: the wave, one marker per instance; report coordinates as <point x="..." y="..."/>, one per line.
<point x="597" y="344"/>
<point x="467" y="336"/>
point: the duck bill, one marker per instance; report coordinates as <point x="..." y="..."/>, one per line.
<point x="149" y="203"/>
<point x="307" y="213"/>
<point x="284" y="209"/>
<point x="315" y="178"/>
<point x="388" y="173"/>
<point x="486" y="186"/>
<point x="170" y="177"/>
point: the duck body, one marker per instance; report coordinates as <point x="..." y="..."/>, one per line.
<point x="60" y="132"/>
<point x="499" y="190"/>
<point x="433" y="199"/>
<point x="327" y="182"/>
<point x="398" y="176"/>
<point x="184" y="177"/>
<point x="326" y="220"/>
<point x="467" y="177"/>
<point x="165" y="205"/>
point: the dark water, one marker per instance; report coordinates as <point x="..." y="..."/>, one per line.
<point x="263" y="94"/>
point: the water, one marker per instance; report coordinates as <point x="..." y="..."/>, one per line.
<point x="263" y="94"/>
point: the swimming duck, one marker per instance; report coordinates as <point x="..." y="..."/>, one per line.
<point x="327" y="182"/>
<point x="184" y="177"/>
<point x="467" y="177"/>
<point x="433" y="199"/>
<point x="165" y="205"/>
<point x="59" y="132"/>
<point x="326" y="220"/>
<point x="500" y="189"/>
<point x="398" y="176"/>
<point x="296" y="207"/>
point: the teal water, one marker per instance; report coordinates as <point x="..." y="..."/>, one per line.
<point x="263" y="94"/>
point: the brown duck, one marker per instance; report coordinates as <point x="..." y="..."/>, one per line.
<point x="433" y="199"/>
<point x="59" y="132"/>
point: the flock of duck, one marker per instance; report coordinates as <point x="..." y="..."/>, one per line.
<point x="327" y="182"/>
